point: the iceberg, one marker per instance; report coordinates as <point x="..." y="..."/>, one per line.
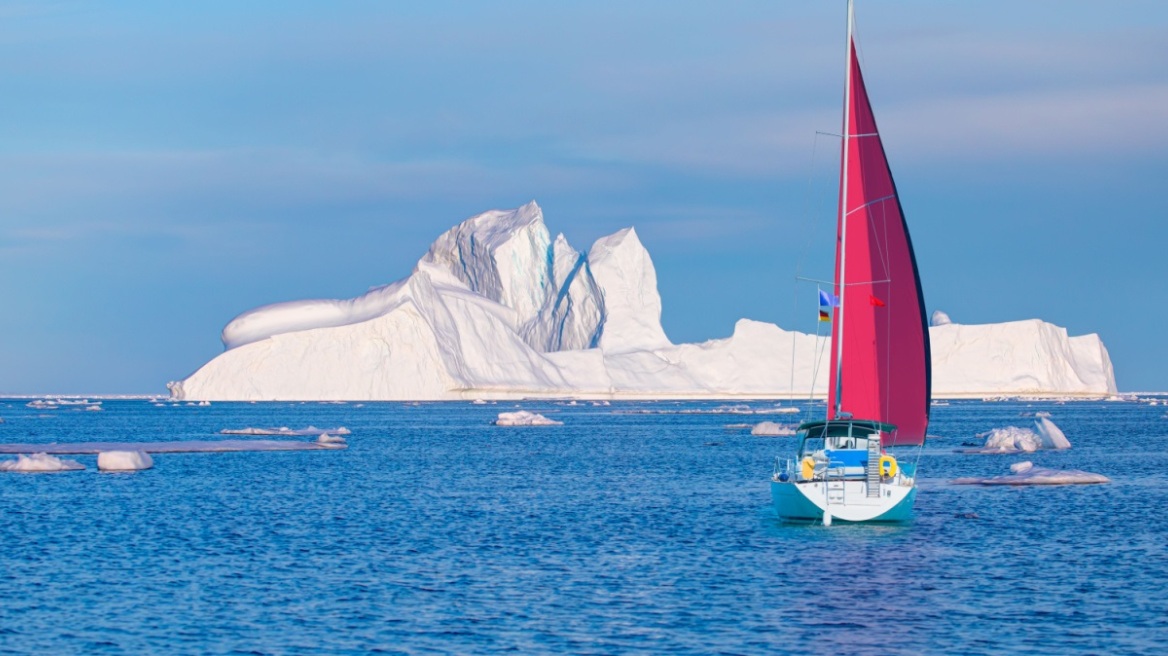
<point x="498" y="308"/>
<point x="1025" y="473"/>
<point x="39" y="462"/>
<point x="1012" y="439"/>
<point x="331" y="441"/>
<point x="525" y="418"/>
<point x="771" y="429"/>
<point x="120" y="461"/>
<point x="284" y="430"/>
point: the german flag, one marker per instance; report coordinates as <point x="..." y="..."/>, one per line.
<point x="824" y="316"/>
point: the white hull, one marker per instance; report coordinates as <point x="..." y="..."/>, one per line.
<point x="844" y="500"/>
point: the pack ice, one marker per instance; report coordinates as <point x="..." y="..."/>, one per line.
<point x="498" y="308"/>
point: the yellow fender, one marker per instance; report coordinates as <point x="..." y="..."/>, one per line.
<point x="888" y="466"/>
<point x="808" y="465"/>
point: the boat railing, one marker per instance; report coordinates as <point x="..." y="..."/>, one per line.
<point x="784" y="469"/>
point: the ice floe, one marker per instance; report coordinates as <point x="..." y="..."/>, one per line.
<point x="720" y="410"/>
<point x="39" y="462"/>
<point x="1025" y="473"/>
<point x="1012" y="439"/>
<point x="525" y="418"/>
<point x="771" y="429"/>
<point x="284" y="430"/>
<point x="124" y="461"/>
<point x="331" y="440"/>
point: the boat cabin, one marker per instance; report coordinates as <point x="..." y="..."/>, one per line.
<point x="839" y="447"/>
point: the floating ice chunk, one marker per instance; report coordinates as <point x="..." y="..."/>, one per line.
<point x="720" y="410"/>
<point x="1052" y="436"/>
<point x="180" y="446"/>
<point x="1012" y="439"/>
<point x="124" y="461"/>
<point x="478" y="402"/>
<point x="771" y="429"/>
<point x="525" y="418"/>
<point x="1025" y="473"/>
<point x="1020" y="467"/>
<point x="1042" y="413"/>
<point x="331" y="440"/>
<point x="940" y="319"/>
<point x="284" y="430"/>
<point x="93" y="408"/>
<point x="39" y="462"/>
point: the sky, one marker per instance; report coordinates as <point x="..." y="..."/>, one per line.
<point x="167" y="166"/>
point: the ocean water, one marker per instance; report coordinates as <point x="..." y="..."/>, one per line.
<point x="618" y="532"/>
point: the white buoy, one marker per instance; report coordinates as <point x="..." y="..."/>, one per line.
<point x="826" y="518"/>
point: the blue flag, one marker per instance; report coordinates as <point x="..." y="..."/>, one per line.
<point x="827" y="300"/>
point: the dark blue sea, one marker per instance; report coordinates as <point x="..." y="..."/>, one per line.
<point x="618" y="532"/>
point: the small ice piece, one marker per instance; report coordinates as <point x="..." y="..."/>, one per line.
<point x="525" y="418"/>
<point x="39" y="462"/>
<point x="940" y="318"/>
<point x="771" y="429"/>
<point x="93" y="408"/>
<point x="331" y="440"/>
<point x="124" y="460"/>
<point x="1052" y="437"/>
<point x="1020" y="467"/>
<point x="478" y="402"/>
<point x="1042" y="413"/>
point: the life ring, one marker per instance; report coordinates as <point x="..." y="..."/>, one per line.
<point x="808" y="465"/>
<point x="888" y="466"/>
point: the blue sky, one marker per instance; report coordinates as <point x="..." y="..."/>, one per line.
<point x="164" y="168"/>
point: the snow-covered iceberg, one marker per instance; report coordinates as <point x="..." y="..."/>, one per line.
<point x="525" y="418"/>
<point x="284" y="430"/>
<point x="1025" y="473"/>
<point x="497" y="308"/>
<point x="1012" y="439"/>
<point x="39" y="462"/>
<point x="771" y="429"/>
<point x="121" y="461"/>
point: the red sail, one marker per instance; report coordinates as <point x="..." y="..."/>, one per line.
<point x="886" y="367"/>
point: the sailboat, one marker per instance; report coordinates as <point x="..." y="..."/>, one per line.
<point x="879" y="387"/>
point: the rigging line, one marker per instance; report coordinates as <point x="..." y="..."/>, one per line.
<point x="850" y="284"/>
<point x="887" y="316"/>
<point x="820" y="345"/>
<point x="812" y="219"/>
<point x="870" y="203"/>
<point x="881" y="246"/>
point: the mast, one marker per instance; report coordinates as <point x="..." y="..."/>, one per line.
<point x="843" y="212"/>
